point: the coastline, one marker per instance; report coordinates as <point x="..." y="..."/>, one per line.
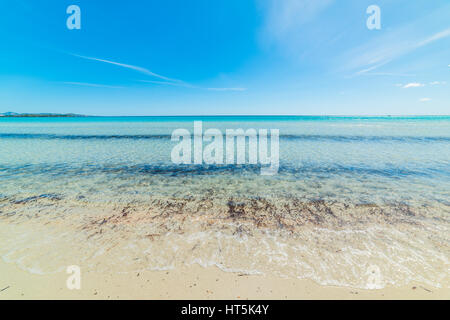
<point x="194" y="283"/>
<point x="355" y="205"/>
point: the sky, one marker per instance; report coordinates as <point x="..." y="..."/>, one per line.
<point x="204" y="57"/>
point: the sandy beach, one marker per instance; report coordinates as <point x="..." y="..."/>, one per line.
<point x="191" y="283"/>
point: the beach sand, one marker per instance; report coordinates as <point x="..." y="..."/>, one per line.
<point x="119" y="251"/>
<point x="194" y="282"/>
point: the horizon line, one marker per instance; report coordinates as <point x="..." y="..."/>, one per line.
<point x="75" y="115"/>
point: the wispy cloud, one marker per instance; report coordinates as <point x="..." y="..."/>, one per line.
<point x="418" y="84"/>
<point x="227" y="89"/>
<point x="187" y="85"/>
<point x="390" y="46"/>
<point x="390" y="74"/>
<point x="425" y="99"/>
<point x="163" y="79"/>
<point x="177" y="84"/>
<point x="440" y="35"/>
<point x="128" y="66"/>
<point x="413" y="85"/>
<point x="95" y="85"/>
<point x="387" y="49"/>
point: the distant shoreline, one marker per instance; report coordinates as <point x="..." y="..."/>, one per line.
<point x="71" y="115"/>
<point x="41" y="115"/>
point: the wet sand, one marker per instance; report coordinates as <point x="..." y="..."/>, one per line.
<point x="194" y="282"/>
<point x="328" y="244"/>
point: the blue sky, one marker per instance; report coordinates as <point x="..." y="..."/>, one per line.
<point x="225" y="57"/>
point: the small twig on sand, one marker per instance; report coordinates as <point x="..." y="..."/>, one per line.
<point x="425" y="289"/>
<point x="4" y="289"/>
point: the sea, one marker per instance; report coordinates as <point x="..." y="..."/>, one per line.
<point x="357" y="201"/>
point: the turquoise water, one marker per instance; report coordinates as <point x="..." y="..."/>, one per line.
<point x="352" y="194"/>
<point x="359" y="159"/>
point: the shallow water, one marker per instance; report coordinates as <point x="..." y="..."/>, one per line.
<point x="353" y="197"/>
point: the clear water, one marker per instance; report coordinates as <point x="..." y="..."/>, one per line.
<point x="78" y="170"/>
<point x="364" y="160"/>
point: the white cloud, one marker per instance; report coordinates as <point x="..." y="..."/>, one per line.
<point x="227" y="89"/>
<point x="128" y="66"/>
<point x="391" y="74"/>
<point x="413" y="85"/>
<point x="435" y="83"/>
<point x="177" y="84"/>
<point x="187" y="85"/>
<point x="425" y="99"/>
<point x="167" y="80"/>
<point x="387" y="48"/>
<point x="418" y="85"/>
<point x="437" y="36"/>
<point x="95" y="85"/>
